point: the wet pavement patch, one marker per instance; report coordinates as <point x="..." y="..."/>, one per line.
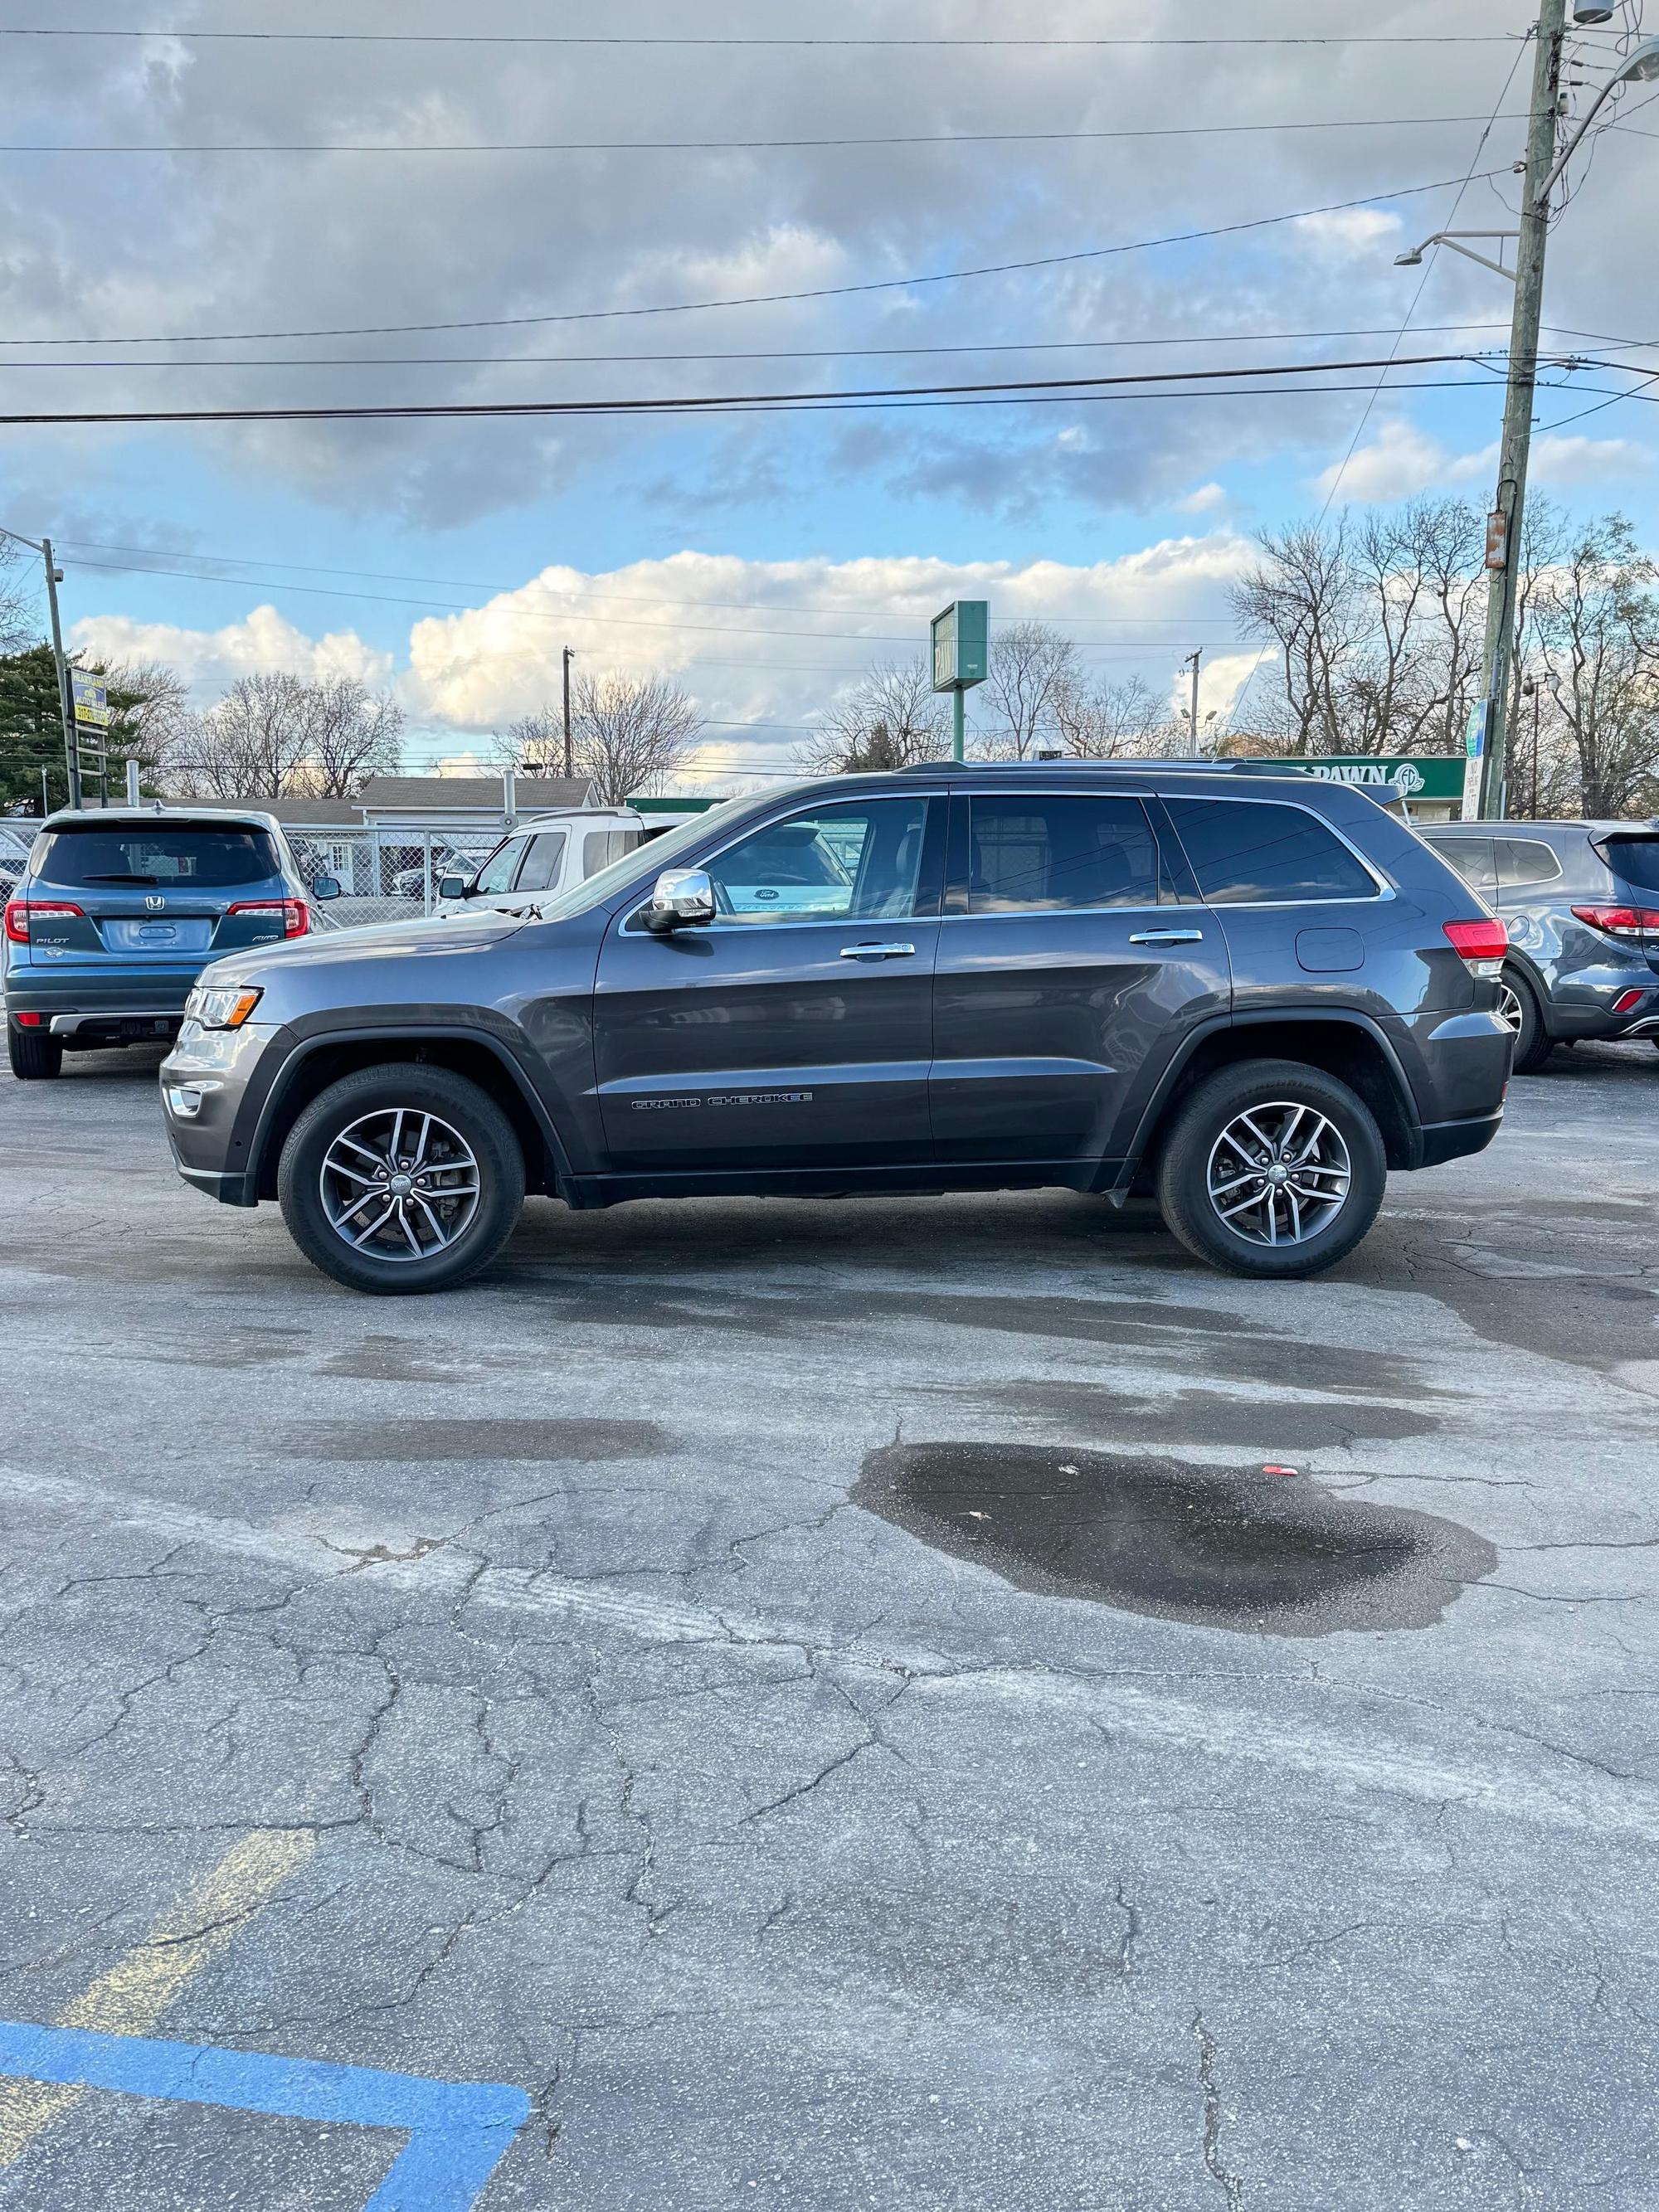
<point x="1262" y="1554"/>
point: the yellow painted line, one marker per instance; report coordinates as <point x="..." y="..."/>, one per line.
<point x="137" y="1989"/>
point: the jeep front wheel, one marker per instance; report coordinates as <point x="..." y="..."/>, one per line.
<point x="1271" y="1169"/>
<point x="400" y="1179"/>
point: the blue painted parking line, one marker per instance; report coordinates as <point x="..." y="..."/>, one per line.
<point x="459" y="2131"/>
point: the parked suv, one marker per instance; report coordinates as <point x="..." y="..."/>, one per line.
<point x="117" y="911"/>
<point x="1254" y="996"/>
<point x="1582" y="902"/>
<point x="544" y="856"/>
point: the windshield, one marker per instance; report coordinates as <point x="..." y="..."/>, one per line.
<point x="175" y="856"/>
<point x="641" y="867"/>
<point x="1637" y="860"/>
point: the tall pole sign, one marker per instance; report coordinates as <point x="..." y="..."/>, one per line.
<point x="962" y="656"/>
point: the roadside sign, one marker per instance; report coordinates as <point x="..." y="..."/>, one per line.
<point x="1474" y="760"/>
<point x="960" y="636"/>
<point x="91" y="701"/>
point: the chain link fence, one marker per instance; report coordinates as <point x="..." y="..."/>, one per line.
<point x="384" y="875"/>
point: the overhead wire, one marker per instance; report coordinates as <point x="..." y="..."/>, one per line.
<point x="761" y="299"/>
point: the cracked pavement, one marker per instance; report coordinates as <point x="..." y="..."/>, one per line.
<point x="784" y="1859"/>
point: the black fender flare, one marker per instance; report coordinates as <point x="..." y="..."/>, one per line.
<point x="1343" y="1017"/>
<point x="393" y="1036"/>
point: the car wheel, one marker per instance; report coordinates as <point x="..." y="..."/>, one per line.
<point x="1272" y="1168"/>
<point x="1517" y="1002"/>
<point x="401" y="1179"/>
<point x="35" y="1055"/>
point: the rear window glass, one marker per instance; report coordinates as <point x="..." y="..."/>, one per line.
<point x="1472" y="857"/>
<point x="1637" y="860"/>
<point x="1029" y="854"/>
<point x="167" y="856"/>
<point x="1252" y="854"/>
<point x="1523" y="860"/>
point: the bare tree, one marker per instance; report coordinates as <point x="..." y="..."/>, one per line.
<point x="891" y="718"/>
<point x="274" y="735"/>
<point x="1031" y="666"/>
<point x="537" y="738"/>
<point x="1111" y="721"/>
<point x="630" y="732"/>
<point x="18" y="625"/>
<point x="1590" y="619"/>
<point x="1377" y="617"/>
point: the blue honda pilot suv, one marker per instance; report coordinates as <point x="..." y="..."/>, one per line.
<point x="120" y="909"/>
<point x="1255" y="995"/>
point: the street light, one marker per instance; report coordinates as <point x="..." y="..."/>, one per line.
<point x="1413" y="258"/>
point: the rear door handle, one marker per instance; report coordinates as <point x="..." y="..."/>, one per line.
<point x="1168" y="936"/>
<point x="877" y="952"/>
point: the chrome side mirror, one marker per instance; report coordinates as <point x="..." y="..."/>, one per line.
<point x="683" y="899"/>
<point x="452" y="887"/>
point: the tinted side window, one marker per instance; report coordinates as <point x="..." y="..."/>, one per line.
<point x="1523" y="860"/>
<point x="1251" y="854"/>
<point x="541" y="868"/>
<point x="1472" y="857"/>
<point x="857" y="862"/>
<point x="1048" y="853"/>
<point x="497" y="874"/>
<point x="601" y="846"/>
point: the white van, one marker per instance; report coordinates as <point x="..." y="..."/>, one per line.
<point x="544" y="855"/>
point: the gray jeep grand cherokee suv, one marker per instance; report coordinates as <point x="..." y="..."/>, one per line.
<point x="1253" y="995"/>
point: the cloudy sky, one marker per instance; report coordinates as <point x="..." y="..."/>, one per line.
<point x="763" y="560"/>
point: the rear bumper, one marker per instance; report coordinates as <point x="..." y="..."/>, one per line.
<point x="67" y="994"/>
<point x="1454" y="1141"/>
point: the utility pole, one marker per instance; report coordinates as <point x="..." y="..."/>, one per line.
<point x="568" y="656"/>
<point x="65" y="692"/>
<point x="1191" y="661"/>
<point x="1489" y="720"/>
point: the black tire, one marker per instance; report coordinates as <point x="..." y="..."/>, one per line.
<point x="1199" y="1135"/>
<point x="1533" y="1043"/>
<point x="35" y="1055"/>
<point x="469" y="1119"/>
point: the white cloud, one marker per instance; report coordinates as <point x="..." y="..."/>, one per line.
<point x="1402" y="460"/>
<point x="208" y="660"/>
<point x="1348" y="232"/>
<point x="1203" y="499"/>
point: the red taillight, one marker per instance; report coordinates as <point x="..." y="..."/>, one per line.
<point x="1620" y="920"/>
<point x="296" y="915"/>
<point x="18" y="912"/>
<point x="31" y="1021"/>
<point x="1627" y="1001"/>
<point x="1477" y="940"/>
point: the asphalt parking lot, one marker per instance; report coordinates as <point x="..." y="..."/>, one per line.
<point x="823" y="1699"/>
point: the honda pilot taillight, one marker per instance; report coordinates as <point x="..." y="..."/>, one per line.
<point x="1480" y="945"/>
<point x="18" y="912"/>
<point x="1626" y="921"/>
<point x="296" y="915"/>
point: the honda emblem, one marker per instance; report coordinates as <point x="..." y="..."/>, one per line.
<point x="153" y="904"/>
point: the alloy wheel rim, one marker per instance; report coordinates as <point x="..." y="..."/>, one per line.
<point x="1510" y="1007"/>
<point x="399" y="1185"/>
<point x="1279" y="1173"/>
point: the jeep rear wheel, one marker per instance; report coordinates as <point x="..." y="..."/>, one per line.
<point x="35" y="1055"/>
<point x="401" y="1179"/>
<point x="1272" y="1168"/>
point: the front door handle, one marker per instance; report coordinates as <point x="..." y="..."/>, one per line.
<point x="1168" y="937"/>
<point x="877" y="952"/>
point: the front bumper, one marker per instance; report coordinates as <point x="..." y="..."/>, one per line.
<point x="1455" y="1141"/>
<point x="213" y="1083"/>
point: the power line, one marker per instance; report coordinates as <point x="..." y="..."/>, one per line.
<point x="568" y="591"/>
<point x="777" y="145"/>
<point x="768" y="352"/>
<point x="770" y="299"/>
<point x="540" y="39"/>
<point x="614" y="621"/>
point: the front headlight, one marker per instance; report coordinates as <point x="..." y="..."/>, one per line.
<point x="221" y="1006"/>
